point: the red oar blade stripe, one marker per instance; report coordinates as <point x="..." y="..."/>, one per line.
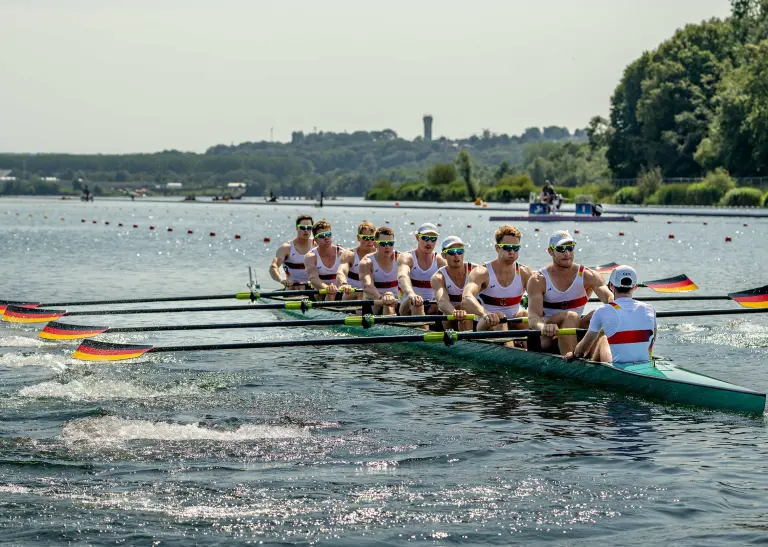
<point x="606" y="268"/>
<point x="5" y="303"/>
<point x="63" y="331"/>
<point x="19" y="314"/>
<point x="93" y="350"/>
<point x="679" y="283"/>
<point x="754" y="298"/>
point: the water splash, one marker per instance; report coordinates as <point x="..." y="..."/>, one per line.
<point x="30" y="359"/>
<point x="94" y="389"/>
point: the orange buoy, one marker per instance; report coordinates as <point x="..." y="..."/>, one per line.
<point x="671" y="236"/>
<point x="669" y="222"/>
<point x="705" y="223"/>
<point x="266" y="240"/>
<point x="106" y="222"/>
<point x="575" y="231"/>
<point x="621" y="233"/>
<point x="397" y="204"/>
<point x="94" y="222"/>
<point x="212" y="234"/>
<point x="170" y="229"/>
<point x="744" y="225"/>
<point x="728" y="239"/>
<point x="189" y="231"/>
<point x="120" y="224"/>
<point x="536" y="230"/>
<point x="469" y="225"/>
<point x="237" y="236"/>
<point x="412" y="223"/>
<point x="386" y="222"/>
<point x="438" y="224"/>
<point x="82" y="220"/>
<point x="151" y="227"/>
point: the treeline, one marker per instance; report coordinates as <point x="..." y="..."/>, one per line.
<point x="344" y="164"/>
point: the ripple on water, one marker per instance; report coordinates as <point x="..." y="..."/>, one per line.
<point x="94" y="389"/>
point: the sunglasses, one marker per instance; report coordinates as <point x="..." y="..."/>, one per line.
<point x="304" y="227"/>
<point x="387" y="243"/>
<point x="324" y="235"/>
<point x="428" y="238"/>
<point x="564" y="248"/>
<point x="508" y="247"/>
<point x="457" y="251"/>
<point x="366" y="237"/>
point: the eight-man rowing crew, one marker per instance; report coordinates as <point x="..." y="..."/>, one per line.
<point x="622" y="330"/>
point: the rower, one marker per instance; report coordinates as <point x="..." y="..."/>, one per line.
<point x="448" y="283"/>
<point x="378" y="272"/>
<point x="290" y="256"/>
<point x="322" y="264"/>
<point x="622" y="331"/>
<point x="558" y="293"/>
<point x="349" y="274"/>
<point x="415" y="270"/>
<point x="495" y="289"/>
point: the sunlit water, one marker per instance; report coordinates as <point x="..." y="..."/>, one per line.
<point x="356" y="445"/>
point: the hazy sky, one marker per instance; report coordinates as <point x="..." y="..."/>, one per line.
<point x="146" y="75"/>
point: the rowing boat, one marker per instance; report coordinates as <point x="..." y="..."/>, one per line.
<point x="659" y="380"/>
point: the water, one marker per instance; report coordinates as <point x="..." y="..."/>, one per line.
<point x="351" y="446"/>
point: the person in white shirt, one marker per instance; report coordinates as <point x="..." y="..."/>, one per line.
<point x="622" y="331"/>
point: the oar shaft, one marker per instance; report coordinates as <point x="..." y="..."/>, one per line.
<point x="284" y="323"/>
<point x="364" y="340"/>
<point x="675" y="297"/>
<point x="693" y="313"/>
<point x="238" y="296"/>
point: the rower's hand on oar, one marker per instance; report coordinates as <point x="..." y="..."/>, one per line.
<point x="331" y="289"/>
<point x="287" y="283"/>
<point x="459" y="315"/>
<point x="490" y="320"/>
<point x="569" y="356"/>
<point x="416" y="300"/>
<point x="347" y="289"/>
<point x="388" y="299"/>
<point x="550" y="329"/>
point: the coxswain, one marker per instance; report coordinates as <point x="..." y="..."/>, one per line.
<point x="290" y="255"/>
<point x="622" y="331"/>
<point x="415" y="270"/>
<point x="495" y="289"/>
<point x="349" y="274"/>
<point x="558" y="293"/>
<point x="378" y="272"/>
<point x="449" y="281"/>
<point x="322" y="263"/>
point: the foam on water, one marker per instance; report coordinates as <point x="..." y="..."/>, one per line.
<point x="93" y="389"/>
<point x="21" y="342"/>
<point x="113" y="430"/>
<point x="17" y="360"/>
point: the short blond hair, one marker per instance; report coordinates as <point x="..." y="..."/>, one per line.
<point x="384" y="231"/>
<point x="366" y="225"/>
<point x="506" y="230"/>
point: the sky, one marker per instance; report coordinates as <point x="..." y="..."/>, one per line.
<point x="122" y="76"/>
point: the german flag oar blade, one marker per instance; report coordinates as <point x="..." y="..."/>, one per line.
<point x="62" y="331"/>
<point x="21" y="314"/>
<point x="93" y="350"/>
<point x="606" y="268"/>
<point x="679" y="283"/>
<point x="5" y="303"/>
<point x="753" y="298"/>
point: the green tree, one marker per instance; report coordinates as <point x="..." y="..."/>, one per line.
<point x="465" y="170"/>
<point x="441" y="173"/>
<point x="599" y="133"/>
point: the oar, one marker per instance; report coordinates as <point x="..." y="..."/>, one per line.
<point x="678" y="283"/>
<point x="252" y="296"/>
<point x="93" y="350"/>
<point x="752" y="298"/>
<point x="64" y="331"/>
<point x="16" y="314"/>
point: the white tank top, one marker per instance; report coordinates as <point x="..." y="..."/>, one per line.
<point x="574" y="298"/>
<point x="499" y="299"/>
<point x="328" y="274"/>
<point x="421" y="279"/>
<point x="353" y="278"/>
<point x="454" y="291"/>
<point x="383" y="279"/>
<point x="294" y="266"/>
<point x="629" y="326"/>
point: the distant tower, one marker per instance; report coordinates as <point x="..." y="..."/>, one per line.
<point x="427" y="127"/>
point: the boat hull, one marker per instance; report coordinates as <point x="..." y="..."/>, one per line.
<point x="658" y="380"/>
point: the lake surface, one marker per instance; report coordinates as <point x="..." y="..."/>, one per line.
<point x="352" y="446"/>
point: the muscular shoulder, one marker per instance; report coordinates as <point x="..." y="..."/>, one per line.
<point x="478" y="273"/>
<point x="405" y="258"/>
<point x="366" y="262"/>
<point x="283" y="249"/>
<point x="592" y="278"/>
<point x="310" y="256"/>
<point x="437" y="279"/>
<point x="537" y="282"/>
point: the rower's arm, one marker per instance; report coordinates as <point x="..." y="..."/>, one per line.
<point x="598" y="322"/>
<point x="366" y="279"/>
<point x="344" y="264"/>
<point x="585" y="345"/>
<point x="441" y="294"/>
<point x="277" y="261"/>
<point x="310" y="266"/>
<point x="535" y="288"/>
<point x="478" y="280"/>
<point x="595" y="281"/>
<point x="404" y="264"/>
<point x="525" y="275"/>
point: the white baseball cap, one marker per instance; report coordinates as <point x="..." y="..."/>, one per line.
<point x="428" y="228"/>
<point x="624" y="277"/>
<point x="560" y="237"/>
<point x="452" y="240"/>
